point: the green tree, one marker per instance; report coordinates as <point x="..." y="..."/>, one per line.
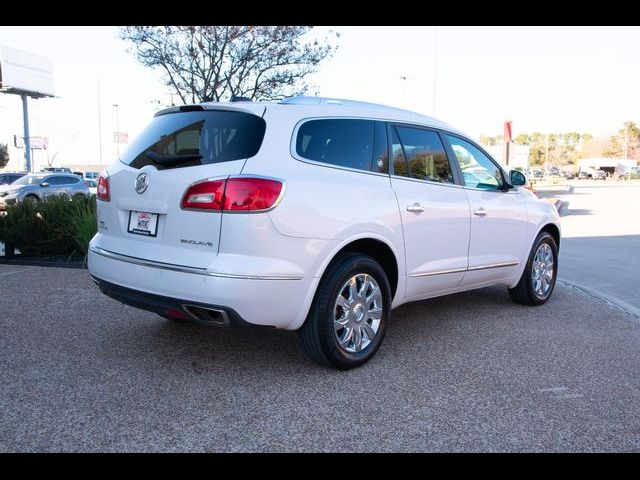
<point x="628" y="135"/>
<point x="522" y="139"/>
<point x="4" y="155"/>
<point x="215" y="63"/>
<point x="536" y="155"/>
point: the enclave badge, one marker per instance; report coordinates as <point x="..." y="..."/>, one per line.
<point x="142" y="182"/>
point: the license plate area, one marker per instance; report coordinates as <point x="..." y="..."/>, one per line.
<point x="143" y="223"/>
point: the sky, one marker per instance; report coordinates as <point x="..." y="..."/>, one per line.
<point x="547" y="79"/>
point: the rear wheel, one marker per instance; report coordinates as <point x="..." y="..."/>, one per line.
<point x="539" y="276"/>
<point x="346" y="323"/>
<point x="32" y="199"/>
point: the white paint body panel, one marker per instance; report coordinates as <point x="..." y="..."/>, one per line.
<point x="324" y="208"/>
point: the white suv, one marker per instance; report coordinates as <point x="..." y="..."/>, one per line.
<point x="291" y="215"/>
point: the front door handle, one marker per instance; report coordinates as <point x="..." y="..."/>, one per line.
<point x="481" y="212"/>
<point x="415" y="208"/>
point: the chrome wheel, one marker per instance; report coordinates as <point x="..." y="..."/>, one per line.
<point x="357" y="313"/>
<point x="543" y="266"/>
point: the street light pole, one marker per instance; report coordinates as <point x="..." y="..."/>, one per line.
<point x="117" y="134"/>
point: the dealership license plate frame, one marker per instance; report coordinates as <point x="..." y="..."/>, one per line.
<point x="151" y="231"/>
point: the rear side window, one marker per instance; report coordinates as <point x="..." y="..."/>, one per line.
<point x="187" y="139"/>
<point x="342" y="142"/>
<point x="419" y="153"/>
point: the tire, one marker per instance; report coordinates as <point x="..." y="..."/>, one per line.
<point x="31" y="199"/>
<point x="78" y="197"/>
<point x="318" y="336"/>
<point x="525" y="291"/>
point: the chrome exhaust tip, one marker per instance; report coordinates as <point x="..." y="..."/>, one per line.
<point x="207" y="316"/>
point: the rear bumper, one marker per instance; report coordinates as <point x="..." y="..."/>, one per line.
<point x="246" y="300"/>
<point x="208" y="314"/>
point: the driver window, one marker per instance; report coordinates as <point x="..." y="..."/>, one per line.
<point x="478" y="170"/>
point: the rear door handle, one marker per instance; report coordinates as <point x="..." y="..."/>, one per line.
<point x="415" y="208"/>
<point x="481" y="212"/>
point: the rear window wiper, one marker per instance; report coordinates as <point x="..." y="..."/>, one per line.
<point x="172" y="160"/>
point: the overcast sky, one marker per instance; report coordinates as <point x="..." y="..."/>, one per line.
<point x="584" y="79"/>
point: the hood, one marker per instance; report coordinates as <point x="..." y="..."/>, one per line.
<point x="7" y="189"/>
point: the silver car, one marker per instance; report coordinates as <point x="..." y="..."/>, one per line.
<point x="40" y="186"/>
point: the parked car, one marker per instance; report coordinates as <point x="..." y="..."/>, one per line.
<point x="7" y="178"/>
<point x="569" y="175"/>
<point x="600" y="175"/>
<point x="583" y="175"/>
<point x="57" y="169"/>
<point x="323" y="222"/>
<point x="40" y="186"/>
<point x="93" y="186"/>
<point x="91" y="175"/>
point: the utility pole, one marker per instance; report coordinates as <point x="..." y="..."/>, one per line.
<point x="435" y="67"/>
<point x="626" y="140"/>
<point x="99" y="124"/>
<point x="117" y="134"/>
<point x="404" y="89"/>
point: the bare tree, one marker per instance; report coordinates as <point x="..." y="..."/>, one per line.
<point x="215" y="63"/>
<point x="4" y="155"/>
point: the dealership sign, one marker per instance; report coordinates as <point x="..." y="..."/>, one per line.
<point x="24" y="72"/>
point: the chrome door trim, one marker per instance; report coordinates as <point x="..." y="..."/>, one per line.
<point x="470" y="269"/>
<point x="493" y="265"/>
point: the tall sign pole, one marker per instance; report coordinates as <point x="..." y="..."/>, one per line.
<point x="507" y="141"/>
<point x="27" y="141"/>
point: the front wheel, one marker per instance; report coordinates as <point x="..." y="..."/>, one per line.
<point x="346" y="323"/>
<point x="539" y="276"/>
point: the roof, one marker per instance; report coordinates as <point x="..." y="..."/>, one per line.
<point x="327" y="107"/>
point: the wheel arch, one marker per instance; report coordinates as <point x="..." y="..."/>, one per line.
<point x="554" y="231"/>
<point x="372" y="244"/>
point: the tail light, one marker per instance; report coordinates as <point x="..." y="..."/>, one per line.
<point x="245" y="194"/>
<point x="102" y="192"/>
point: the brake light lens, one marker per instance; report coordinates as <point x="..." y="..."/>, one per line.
<point x="247" y="194"/>
<point x="102" y="192"/>
<point x="244" y="194"/>
<point x="207" y="195"/>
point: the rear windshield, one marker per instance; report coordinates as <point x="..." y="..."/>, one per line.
<point x="187" y="139"/>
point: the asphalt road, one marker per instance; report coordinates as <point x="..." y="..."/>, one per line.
<point x="468" y="372"/>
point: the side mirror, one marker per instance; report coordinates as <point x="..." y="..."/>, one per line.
<point x="44" y="184"/>
<point x="517" y="178"/>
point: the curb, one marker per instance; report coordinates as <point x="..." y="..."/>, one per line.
<point x="43" y="263"/>
<point x="608" y="299"/>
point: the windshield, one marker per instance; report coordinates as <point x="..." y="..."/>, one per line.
<point x="29" y="180"/>
<point x="187" y="139"/>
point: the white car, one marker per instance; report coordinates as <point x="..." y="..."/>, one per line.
<point x="291" y="215"/>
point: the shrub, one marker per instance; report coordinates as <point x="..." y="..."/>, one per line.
<point x="52" y="227"/>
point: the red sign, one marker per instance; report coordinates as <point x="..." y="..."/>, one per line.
<point x="507" y="131"/>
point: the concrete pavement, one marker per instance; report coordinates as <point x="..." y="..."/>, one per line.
<point x="600" y="249"/>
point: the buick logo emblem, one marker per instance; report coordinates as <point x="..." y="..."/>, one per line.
<point x="142" y="182"/>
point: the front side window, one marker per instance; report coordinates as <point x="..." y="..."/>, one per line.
<point x="342" y="142"/>
<point x="419" y="153"/>
<point x="185" y="139"/>
<point x="478" y="170"/>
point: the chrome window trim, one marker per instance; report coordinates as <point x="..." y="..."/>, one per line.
<point x="183" y="268"/>
<point x="429" y="182"/>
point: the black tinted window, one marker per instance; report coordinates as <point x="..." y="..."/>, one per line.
<point x="420" y="154"/>
<point x="196" y="138"/>
<point x="55" y="180"/>
<point x="343" y="142"/>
